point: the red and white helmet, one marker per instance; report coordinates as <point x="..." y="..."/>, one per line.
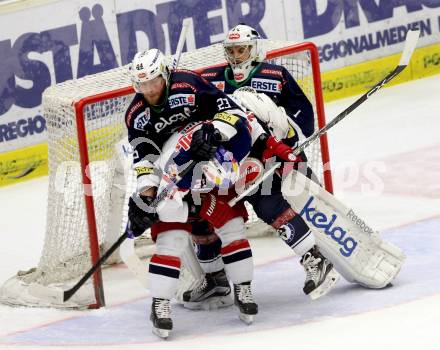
<point x="147" y="65"/>
<point x="223" y="170"/>
<point x="244" y="36"/>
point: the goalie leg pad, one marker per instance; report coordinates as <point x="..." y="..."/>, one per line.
<point x="358" y="253"/>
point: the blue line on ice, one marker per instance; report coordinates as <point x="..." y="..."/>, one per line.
<point x="278" y="290"/>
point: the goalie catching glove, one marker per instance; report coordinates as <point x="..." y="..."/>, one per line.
<point x="141" y="216"/>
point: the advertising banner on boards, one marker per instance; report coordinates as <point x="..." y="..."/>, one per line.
<point x="47" y="42"/>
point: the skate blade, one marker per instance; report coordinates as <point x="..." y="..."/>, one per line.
<point x="161" y="333"/>
<point x="325" y="287"/>
<point x="210" y="304"/>
<point x="248" y="319"/>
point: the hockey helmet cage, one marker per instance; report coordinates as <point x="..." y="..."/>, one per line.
<point x="242" y="35"/>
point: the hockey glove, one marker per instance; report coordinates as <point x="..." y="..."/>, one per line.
<point x="140" y="218"/>
<point x="204" y="142"/>
<point x="279" y="149"/>
<point x="216" y="211"/>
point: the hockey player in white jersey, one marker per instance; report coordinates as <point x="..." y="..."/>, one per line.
<point x="166" y="102"/>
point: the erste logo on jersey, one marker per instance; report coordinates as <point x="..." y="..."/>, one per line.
<point x="142" y="119"/>
<point x="180" y="100"/>
<point x="267" y="85"/>
<point x="219" y="85"/>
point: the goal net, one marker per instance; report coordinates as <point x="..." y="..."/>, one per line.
<point x="89" y="184"/>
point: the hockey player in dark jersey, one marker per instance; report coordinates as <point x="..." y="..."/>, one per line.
<point x="166" y="102"/>
<point x="288" y="115"/>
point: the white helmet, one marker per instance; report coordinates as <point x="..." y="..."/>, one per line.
<point x="242" y="35"/>
<point x="147" y="65"/>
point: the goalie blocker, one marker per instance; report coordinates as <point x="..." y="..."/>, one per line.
<point x="357" y="251"/>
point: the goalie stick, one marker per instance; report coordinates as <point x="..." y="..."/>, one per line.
<point x="410" y="44"/>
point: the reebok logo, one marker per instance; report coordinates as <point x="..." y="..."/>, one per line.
<point x="359" y="222"/>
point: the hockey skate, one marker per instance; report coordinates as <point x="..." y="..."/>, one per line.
<point x="161" y="317"/>
<point x="244" y="300"/>
<point x="320" y="274"/>
<point x="213" y="292"/>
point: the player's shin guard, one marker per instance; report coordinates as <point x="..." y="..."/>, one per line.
<point x="164" y="271"/>
<point x="237" y="257"/>
<point x="294" y="232"/>
<point x="209" y="256"/>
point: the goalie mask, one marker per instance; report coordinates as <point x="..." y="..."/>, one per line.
<point x="241" y="50"/>
<point x="147" y="66"/>
<point x="222" y="171"/>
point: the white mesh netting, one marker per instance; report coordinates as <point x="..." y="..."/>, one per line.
<point x="66" y="253"/>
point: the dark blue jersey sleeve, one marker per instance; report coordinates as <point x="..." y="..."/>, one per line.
<point x="297" y="105"/>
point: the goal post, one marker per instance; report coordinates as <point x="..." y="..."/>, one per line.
<point x="89" y="185"/>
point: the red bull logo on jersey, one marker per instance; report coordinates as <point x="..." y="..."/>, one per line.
<point x="266" y="85"/>
<point x="180" y="100"/>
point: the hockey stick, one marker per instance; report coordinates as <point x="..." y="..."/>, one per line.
<point x="185" y="26"/>
<point x="410" y="44"/>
